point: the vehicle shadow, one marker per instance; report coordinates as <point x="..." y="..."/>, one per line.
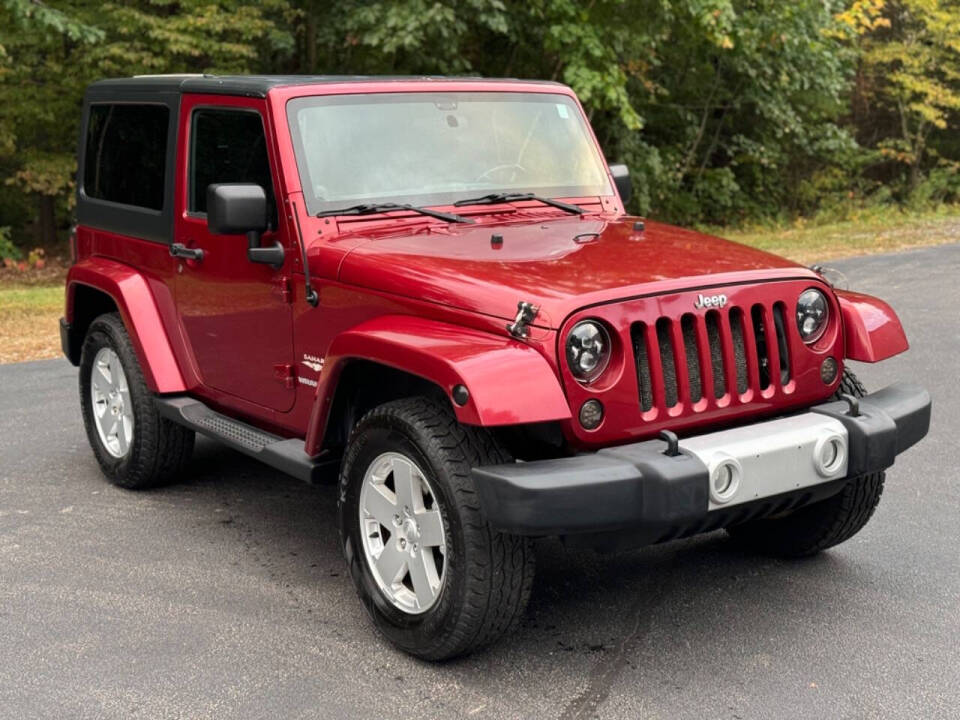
<point x="599" y="611"/>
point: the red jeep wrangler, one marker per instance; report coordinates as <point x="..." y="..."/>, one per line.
<point x="428" y="288"/>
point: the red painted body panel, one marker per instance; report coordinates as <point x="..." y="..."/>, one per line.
<point x="619" y="391"/>
<point x="872" y="329"/>
<point x="509" y="382"/>
<point x="133" y="293"/>
<point x="434" y="299"/>
<point x="544" y="262"/>
<point x="234" y="316"/>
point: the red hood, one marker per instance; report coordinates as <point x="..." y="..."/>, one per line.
<point x="559" y="264"/>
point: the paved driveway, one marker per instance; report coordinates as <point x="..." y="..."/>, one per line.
<point x="225" y="596"/>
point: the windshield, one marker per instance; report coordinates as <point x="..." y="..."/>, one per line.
<point x="436" y="148"/>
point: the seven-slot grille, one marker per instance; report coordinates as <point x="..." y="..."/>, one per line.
<point x="710" y="355"/>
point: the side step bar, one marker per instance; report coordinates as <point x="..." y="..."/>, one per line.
<point x="284" y="454"/>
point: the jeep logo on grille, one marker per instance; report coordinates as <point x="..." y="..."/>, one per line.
<point x="709" y="301"/>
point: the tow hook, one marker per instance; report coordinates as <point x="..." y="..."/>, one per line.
<point x="853" y="404"/>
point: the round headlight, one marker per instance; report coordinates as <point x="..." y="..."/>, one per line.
<point x="588" y="350"/>
<point x="813" y="311"/>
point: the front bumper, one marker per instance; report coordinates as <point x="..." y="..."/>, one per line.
<point x="638" y="487"/>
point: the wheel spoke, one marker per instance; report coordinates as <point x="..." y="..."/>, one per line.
<point x="103" y="379"/>
<point x="419" y="575"/>
<point x="407" y="486"/>
<point x="392" y="563"/>
<point x="431" y="528"/>
<point x="121" y="436"/>
<point x="379" y="506"/>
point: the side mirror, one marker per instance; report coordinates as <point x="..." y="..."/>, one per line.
<point x="236" y="208"/>
<point x="621" y="178"/>
<point x="241" y="209"/>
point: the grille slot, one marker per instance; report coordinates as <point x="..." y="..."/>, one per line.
<point x="667" y="361"/>
<point x="739" y="348"/>
<point x="688" y="324"/>
<point x="760" y="336"/>
<point x="722" y="352"/>
<point x="780" y="322"/>
<point x="639" y="337"/>
<point x="717" y="365"/>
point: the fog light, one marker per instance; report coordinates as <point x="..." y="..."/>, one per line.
<point x="828" y="371"/>
<point x="829" y="455"/>
<point x="591" y="414"/>
<point x="725" y="480"/>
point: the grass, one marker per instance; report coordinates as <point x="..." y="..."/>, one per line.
<point x="32" y="302"/>
<point x="29" y="321"/>
<point x="865" y="233"/>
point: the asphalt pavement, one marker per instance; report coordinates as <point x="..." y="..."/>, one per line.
<point x="225" y="596"/>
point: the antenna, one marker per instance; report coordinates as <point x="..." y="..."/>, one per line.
<point x="313" y="299"/>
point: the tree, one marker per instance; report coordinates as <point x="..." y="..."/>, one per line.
<point x="910" y="55"/>
<point x="50" y="54"/>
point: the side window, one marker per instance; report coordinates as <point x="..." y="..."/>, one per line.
<point x="125" y="154"/>
<point x="228" y="146"/>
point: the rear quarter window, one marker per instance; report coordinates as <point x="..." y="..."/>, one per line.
<point x="125" y="154"/>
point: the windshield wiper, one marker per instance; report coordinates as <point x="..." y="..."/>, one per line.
<point x="497" y="198"/>
<point x="371" y="208"/>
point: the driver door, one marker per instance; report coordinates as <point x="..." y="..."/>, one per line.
<point x="235" y="315"/>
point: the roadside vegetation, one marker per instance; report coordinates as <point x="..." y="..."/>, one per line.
<point x="814" y="129"/>
<point x="28" y="321"/>
<point x="861" y="233"/>
<point x="730" y="113"/>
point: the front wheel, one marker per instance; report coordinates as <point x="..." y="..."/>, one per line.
<point x="437" y="580"/>
<point x="824" y="524"/>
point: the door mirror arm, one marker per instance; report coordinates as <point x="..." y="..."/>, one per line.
<point x="272" y="255"/>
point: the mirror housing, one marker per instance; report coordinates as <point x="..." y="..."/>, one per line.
<point x="621" y="178"/>
<point x="241" y="209"/>
<point x="236" y="209"/>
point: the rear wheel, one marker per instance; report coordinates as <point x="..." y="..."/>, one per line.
<point x="822" y="525"/>
<point x="135" y="446"/>
<point x="437" y="580"/>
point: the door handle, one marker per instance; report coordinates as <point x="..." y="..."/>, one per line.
<point x="179" y="250"/>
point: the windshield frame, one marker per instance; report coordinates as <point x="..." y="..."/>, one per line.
<point x="316" y="205"/>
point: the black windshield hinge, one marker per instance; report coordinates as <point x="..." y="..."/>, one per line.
<point x="526" y="312"/>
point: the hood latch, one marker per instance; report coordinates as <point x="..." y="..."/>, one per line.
<point x="526" y="312"/>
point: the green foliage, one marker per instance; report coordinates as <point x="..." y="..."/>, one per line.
<point x="727" y="111"/>
<point x="8" y="251"/>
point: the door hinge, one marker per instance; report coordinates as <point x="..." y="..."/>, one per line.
<point x="284" y="373"/>
<point x="284" y="288"/>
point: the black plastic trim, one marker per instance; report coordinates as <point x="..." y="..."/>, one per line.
<point x="284" y="454"/>
<point x="890" y="421"/>
<point x="129" y="220"/>
<point x="260" y="85"/>
<point x="608" y="490"/>
<point x="639" y="488"/>
<point x="66" y="344"/>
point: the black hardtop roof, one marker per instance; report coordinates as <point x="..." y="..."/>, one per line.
<point x="257" y="85"/>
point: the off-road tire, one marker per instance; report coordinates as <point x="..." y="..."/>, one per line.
<point x="824" y="524"/>
<point x="159" y="449"/>
<point x="489" y="574"/>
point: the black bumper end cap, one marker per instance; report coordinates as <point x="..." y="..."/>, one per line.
<point x="891" y="421"/>
<point x="611" y="489"/>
